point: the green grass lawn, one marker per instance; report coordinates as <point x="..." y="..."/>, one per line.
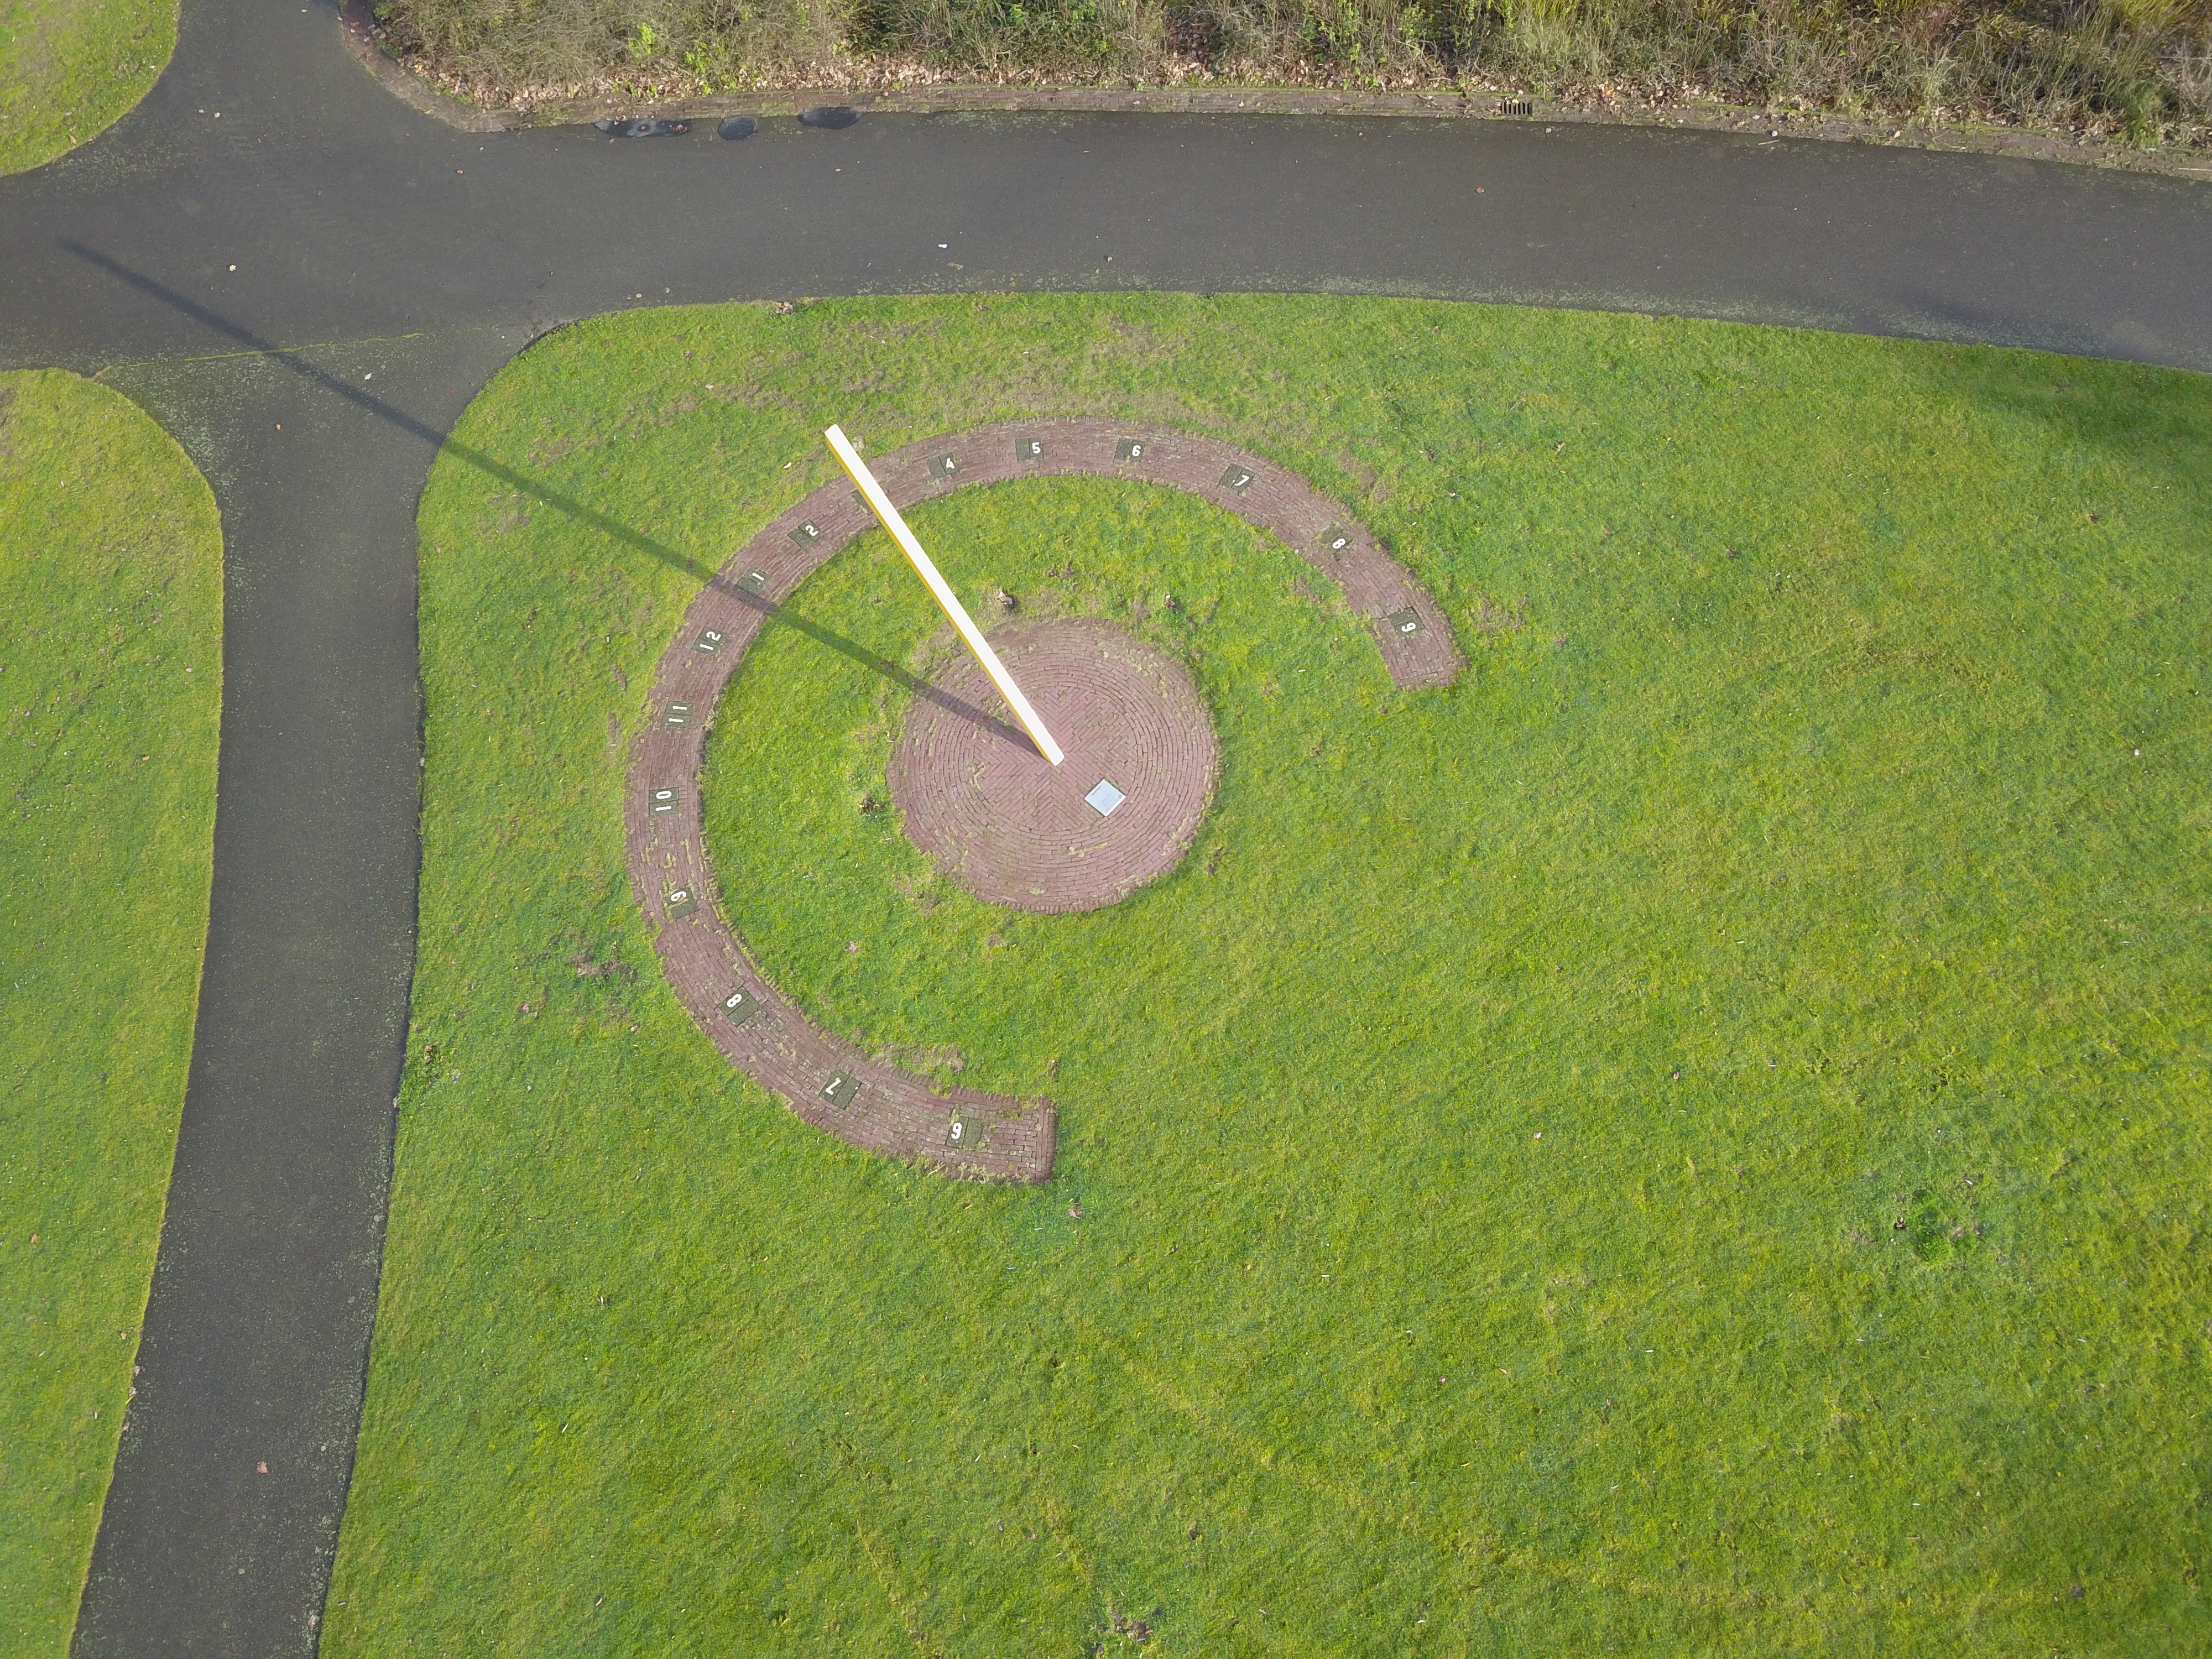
<point x="70" y="68"/>
<point x="111" y="688"/>
<point x="1693" y="1140"/>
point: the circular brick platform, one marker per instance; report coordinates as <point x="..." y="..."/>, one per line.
<point x="1014" y="829"/>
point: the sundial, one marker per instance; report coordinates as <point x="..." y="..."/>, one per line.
<point x="1050" y="766"/>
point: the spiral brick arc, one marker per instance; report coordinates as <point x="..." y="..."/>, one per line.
<point x="826" y="1081"/>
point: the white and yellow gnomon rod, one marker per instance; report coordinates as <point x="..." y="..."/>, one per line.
<point x="842" y="448"/>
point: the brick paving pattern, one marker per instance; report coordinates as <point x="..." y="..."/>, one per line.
<point x="828" y="1082"/>
<point x="1011" y="828"/>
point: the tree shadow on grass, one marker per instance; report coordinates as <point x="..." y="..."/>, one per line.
<point x="773" y="615"/>
<point x="2101" y="404"/>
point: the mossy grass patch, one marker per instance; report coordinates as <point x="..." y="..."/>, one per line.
<point x="70" y="68"/>
<point x="1693" y="1136"/>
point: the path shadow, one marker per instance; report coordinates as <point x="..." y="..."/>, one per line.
<point x="774" y="614"/>
<point x="2119" y="405"/>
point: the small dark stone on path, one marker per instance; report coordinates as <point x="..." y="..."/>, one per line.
<point x="833" y="118"/>
<point x="736" y="126"/>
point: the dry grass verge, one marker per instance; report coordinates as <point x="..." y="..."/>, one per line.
<point x="2137" y="72"/>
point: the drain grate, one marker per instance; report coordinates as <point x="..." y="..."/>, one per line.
<point x="649" y="127"/>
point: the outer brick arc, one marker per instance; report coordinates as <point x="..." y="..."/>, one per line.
<point x="897" y="1112"/>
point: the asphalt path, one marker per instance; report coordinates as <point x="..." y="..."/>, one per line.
<point x="307" y="282"/>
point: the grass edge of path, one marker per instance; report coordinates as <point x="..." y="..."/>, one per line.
<point x="45" y="115"/>
<point x="121" y="923"/>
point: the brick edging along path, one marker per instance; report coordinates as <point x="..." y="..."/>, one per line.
<point x="826" y="1081"/>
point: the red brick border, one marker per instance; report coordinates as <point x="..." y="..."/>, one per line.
<point x="828" y="1081"/>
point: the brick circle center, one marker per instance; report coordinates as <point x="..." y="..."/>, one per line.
<point x="1014" y="829"/>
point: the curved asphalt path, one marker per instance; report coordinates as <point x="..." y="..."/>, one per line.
<point x="386" y="266"/>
